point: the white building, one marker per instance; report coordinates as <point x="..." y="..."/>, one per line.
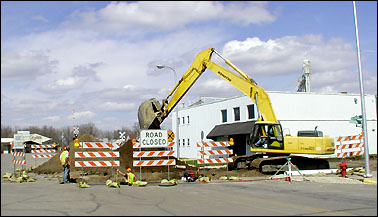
<point x="330" y="113"/>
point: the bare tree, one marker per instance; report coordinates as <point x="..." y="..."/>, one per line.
<point x="89" y="128"/>
<point x="7" y="131"/>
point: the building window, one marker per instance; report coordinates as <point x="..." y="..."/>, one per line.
<point x="188" y="143"/>
<point x="237" y="113"/>
<point x="183" y="142"/>
<point x="224" y="115"/>
<point x="178" y="121"/>
<point x="188" y="119"/>
<point x="183" y="120"/>
<point x="178" y="142"/>
<point x="251" y="111"/>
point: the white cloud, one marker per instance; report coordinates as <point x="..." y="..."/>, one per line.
<point x="26" y="65"/>
<point x="330" y="60"/>
<point x="164" y="15"/>
<point x="62" y="85"/>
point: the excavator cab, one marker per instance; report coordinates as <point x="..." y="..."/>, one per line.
<point x="149" y="114"/>
<point x="270" y="132"/>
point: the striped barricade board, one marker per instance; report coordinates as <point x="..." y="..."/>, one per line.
<point x="214" y="161"/>
<point x="137" y="154"/>
<point x="42" y="146"/>
<point x="216" y="152"/>
<point x="213" y="144"/>
<point x="108" y="145"/>
<point x="22" y="162"/>
<point x="18" y="154"/>
<point x="348" y="138"/>
<point x="137" y="145"/>
<point x="42" y="151"/>
<point x="96" y="163"/>
<point x="96" y="154"/>
<point x="43" y="155"/>
<point x="142" y="163"/>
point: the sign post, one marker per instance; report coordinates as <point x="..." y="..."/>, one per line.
<point x="203" y="149"/>
<point x="18" y="143"/>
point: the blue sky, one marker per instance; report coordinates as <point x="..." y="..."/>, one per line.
<point x="97" y="60"/>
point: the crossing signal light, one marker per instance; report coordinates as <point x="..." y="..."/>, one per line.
<point x="231" y="141"/>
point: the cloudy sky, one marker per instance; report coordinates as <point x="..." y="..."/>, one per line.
<point x="96" y="61"/>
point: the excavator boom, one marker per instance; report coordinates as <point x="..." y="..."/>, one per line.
<point x="151" y="114"/>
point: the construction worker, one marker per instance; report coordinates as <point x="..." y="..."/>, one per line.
<point x="65" y="161"/>
<point x="129" y="176"/>
<point x="261" y="142"/>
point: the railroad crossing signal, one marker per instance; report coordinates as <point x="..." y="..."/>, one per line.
<point x="76" y="132"/>
<point x="122" y="136"/>
<point x="171" y="136"/>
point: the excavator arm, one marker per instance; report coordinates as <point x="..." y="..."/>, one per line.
<point x="151" y="114"/>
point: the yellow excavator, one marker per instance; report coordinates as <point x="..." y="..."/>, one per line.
<point x="267" y="142"/>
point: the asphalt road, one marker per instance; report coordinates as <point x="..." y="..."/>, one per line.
<point x="253" y="198"/>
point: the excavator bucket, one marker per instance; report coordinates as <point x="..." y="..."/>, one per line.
<point x="149" y="114"/>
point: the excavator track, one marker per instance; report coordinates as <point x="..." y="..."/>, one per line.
<point x="271" y="164"/>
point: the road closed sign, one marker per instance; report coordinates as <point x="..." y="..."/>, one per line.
<point x="153" y="138"/>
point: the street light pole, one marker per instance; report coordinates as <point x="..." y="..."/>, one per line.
<point x="176" y="121"/>
<point x="362" y="95"/>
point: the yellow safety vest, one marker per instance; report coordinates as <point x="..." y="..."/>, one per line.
<point x="64" y="157"/>
<point x="130" y="177"/>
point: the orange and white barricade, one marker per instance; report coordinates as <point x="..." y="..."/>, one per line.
<point x="156" y="154"/>
<point x="18" y="153"/>
<point x="99" y="154"/>
<point x="218" y="153"/>
<point x="347" y="146"/>
<point x="39" y="151"/>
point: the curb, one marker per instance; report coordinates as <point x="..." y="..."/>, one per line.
<point x="369" y="181"/>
